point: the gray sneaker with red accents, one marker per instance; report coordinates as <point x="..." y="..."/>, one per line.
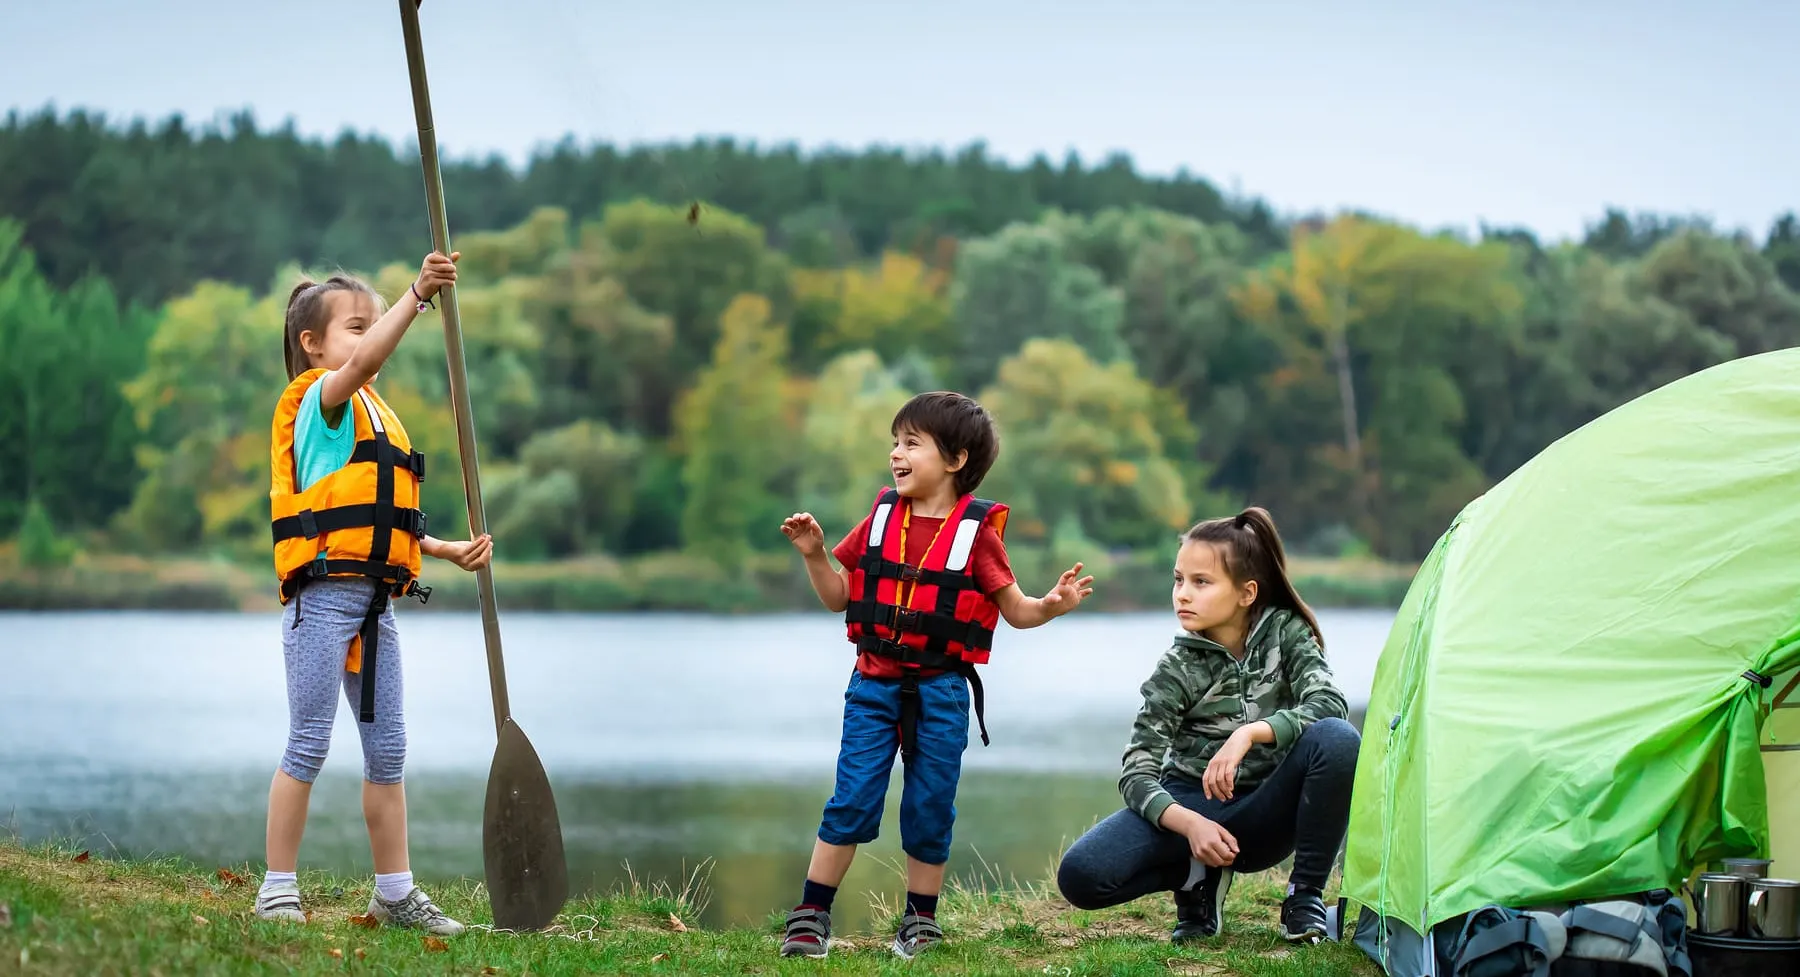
<point x="917" y="934"/>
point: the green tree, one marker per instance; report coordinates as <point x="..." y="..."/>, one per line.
<point x="733" y="425"/>
<point x="68" y="438"/>
<point x="846" y="439"/>
<point x="1023" y="284"/>
<point x="1087" y="448"/>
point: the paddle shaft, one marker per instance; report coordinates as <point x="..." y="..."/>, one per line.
<point x="453" y="348"/>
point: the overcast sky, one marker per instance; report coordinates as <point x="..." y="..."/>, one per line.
<point x="1445" y="113"/>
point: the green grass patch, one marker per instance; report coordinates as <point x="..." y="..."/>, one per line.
<point x="92" y="916"/>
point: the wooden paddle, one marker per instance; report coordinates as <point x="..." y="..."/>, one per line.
<point x="521" y="839"/>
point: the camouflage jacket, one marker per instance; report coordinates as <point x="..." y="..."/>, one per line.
<point x="1199" y="694"/>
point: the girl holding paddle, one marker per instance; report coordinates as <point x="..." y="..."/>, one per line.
<point x="344" y="495"/>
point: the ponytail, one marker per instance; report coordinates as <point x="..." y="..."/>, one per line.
<point x="291" y="352"/>
<point x="1251" y="549"/>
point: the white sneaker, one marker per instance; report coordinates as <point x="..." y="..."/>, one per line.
<point x="416" y="911"/>
<point x="280" y="902"/>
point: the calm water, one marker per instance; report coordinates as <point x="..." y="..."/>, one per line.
<point x="670" y="740"/>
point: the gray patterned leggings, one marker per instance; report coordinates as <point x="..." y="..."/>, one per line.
<point x="316" y="628"/>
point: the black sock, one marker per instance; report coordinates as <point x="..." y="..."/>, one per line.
<point x="918" y="905"/>
<point x="817" y="894"/>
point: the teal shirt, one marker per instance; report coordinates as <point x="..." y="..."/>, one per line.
<point x="319" y="448"/>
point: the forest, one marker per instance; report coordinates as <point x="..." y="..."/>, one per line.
<point x="672" y="347"/>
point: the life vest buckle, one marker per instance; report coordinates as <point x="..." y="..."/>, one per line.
<point x="419" y="530"/>
<point x="320" y="569"/>
<point x="417" y="463"/>
<point x="309" y="527"/>
<point x="910" y="573"/>
<point x="904" y="620"/>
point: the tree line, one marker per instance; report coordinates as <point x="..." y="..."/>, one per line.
<point x="1153" y="351"/>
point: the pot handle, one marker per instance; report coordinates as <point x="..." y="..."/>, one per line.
<point x="1755" y="922"/>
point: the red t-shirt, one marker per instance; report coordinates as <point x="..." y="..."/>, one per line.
<point x="993" y="572"/>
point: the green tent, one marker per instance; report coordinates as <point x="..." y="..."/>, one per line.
<point x="1571" y="703"/>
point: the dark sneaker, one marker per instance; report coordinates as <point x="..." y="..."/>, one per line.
<point x="916" y="934"/>
<point x="808" y="933"/>
<point x="1303" y="917"/>
<point x="1200" y="910"/>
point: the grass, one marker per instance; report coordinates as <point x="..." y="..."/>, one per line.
<point x="66" y="913"/>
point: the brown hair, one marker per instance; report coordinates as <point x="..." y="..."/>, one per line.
<point x="957" y="424"/>
<point x="1251" y="549"/>
<point x="307" y="312"/>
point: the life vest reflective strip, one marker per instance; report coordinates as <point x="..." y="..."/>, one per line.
<point x="933" y="615"/>
<point x="362" y="520"/>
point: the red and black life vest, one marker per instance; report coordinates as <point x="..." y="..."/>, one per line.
<point x="933" y="615"/>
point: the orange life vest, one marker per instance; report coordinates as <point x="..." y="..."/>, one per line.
<point x="933" y="615"/>
<point x="362" y="520"/>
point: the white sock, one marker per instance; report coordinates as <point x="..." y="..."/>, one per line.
<point x="394" y="887"/>
<point x="273" y="879"/>
<point x="1196" y="873"/>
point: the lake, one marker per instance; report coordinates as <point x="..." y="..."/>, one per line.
<point x="674" y="742"/>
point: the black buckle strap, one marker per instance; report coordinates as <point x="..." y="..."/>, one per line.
<point x="371" y="647"/>
<point x="910" y="703"/>
<point x="310" y="523"/>
<point x="1752" y="675"/>
<point x="377" y="451"/>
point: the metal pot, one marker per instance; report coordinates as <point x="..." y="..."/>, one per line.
<point x="1774" y="909"/>
<point x="1749" y="868"/>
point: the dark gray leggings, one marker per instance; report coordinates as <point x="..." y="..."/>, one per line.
<point x="1302" y="809"/>
<point x="330" y="613"/>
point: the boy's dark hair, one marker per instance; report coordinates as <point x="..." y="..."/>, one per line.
<point x="307" y="311"/>
<point x="957" y="424"/>
<point x="1251" y="549"/>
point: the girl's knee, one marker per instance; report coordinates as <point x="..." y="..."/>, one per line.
<point x="1079" y="878"/>
<point x="384" y="757"/>
<point x="1335" y="738"/>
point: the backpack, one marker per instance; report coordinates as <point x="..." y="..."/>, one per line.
<point x="1627" y="938"/>
<point x="1612" y="938"/>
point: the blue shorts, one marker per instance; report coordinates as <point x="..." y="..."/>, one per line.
<point x="872" y="741"/>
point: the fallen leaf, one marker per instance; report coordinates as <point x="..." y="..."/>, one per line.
<point x="5" y="916"/>
<point x="676" y="924"/>
<point x="659" y="958"/>
<point x="229" y="877"/>
<point x="200" y="920"/>
<point x="359" y="953"/>
<point x="489" y="971"/>
<point x="82" y="857"/>
<point x="366" y="922"/>
<point x="24" y="956"/>
<point x="436" y="945"/>
<point x="309" y="914"/>
<point x="337" y="954"/>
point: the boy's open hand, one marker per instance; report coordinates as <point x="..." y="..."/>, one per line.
<point x="471" y="554"/>
<point x="805" y="533"/>
<point x="1068" y="592"/>
<point x="437" y="272"/>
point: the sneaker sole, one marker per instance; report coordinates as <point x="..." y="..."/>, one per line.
<point x="900" y="950"/>
<point x="1312" y="934"/>
<point x="283" y="916"/>
<point x="821" y="954"/>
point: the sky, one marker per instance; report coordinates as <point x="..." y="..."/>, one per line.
<point x="1516" y="113"/>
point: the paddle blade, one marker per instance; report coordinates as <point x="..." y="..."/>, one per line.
<point x="521" y="839"/>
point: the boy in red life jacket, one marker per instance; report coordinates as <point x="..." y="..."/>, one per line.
<point x="922" y="582"/>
